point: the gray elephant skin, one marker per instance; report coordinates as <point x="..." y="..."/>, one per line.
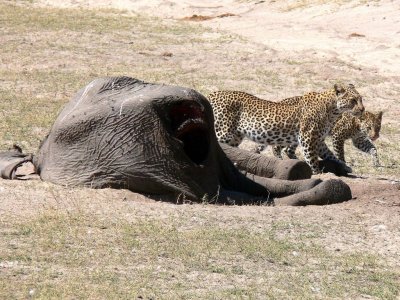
<point x="155" y="139"/>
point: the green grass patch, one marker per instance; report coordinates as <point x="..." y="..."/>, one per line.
<point x="74" y="255"/>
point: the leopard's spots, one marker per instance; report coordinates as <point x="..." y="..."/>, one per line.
<point x="304" y="120"/>
<point x="361" y="130"/>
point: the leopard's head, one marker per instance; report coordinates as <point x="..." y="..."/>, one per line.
<point x="348" y="99"/>
<point x="371" y="124"/>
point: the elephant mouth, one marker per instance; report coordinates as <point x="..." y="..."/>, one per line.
<point x="190" y="127"/>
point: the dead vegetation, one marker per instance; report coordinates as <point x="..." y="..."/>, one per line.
<point x="205" y="18"/>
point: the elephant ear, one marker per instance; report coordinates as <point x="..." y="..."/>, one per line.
<point x="11" y="160"/>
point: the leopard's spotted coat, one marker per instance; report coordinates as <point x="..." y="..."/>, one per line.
<point x="304" y="120"/>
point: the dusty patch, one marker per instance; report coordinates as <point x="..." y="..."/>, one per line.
<point x="205" y="18"/>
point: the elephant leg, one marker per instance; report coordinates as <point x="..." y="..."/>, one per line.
<point x="280" y="187"/>
<point x="327" y="192"/>
<point x="265" y="166"/>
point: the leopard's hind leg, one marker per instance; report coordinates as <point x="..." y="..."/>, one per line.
<point x="290" y="151"/>
<point x="277" y="151"/>
<point x="231" y="138"/>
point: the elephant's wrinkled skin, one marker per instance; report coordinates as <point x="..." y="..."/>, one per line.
<point x="156" y="139"/>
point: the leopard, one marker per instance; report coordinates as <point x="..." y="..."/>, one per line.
<point x="362" y="131"/>
<point x="304" y="120"/>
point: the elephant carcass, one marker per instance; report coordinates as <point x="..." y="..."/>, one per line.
<point x="154" y="139"/>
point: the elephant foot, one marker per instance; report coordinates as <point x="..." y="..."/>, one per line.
<point x="292" y="169"/>
<point x="327" y="192"/>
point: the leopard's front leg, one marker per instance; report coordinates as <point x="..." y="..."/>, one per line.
<point x="324" y="152"/>
<point x="338" y="147"/>
<point x="365" y="144"/>
<point x="310" y="151"/>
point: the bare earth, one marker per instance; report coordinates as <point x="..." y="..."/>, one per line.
<point x="324" y="40"/>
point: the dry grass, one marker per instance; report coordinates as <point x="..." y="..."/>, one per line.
<point x="76" y="253"/>
<point x="92" y="244"/>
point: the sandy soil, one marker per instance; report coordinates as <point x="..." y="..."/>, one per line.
<point x="369" y="44"/>
<point x="370" y="40"/>
<point x="316" y="36"/>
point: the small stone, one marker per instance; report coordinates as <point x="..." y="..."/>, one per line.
<point x="167" y="54"/>
<point x="378" y="228"/>
<point x="315" y="289"/>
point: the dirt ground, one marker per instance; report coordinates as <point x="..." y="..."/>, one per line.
<point x="309" y="30"/>
<point x="318" y="43"/>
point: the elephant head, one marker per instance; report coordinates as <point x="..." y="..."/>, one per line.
<point x="123" y="133"/>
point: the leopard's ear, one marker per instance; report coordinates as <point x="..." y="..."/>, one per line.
<point x="339" y="89"/>
<point x="351" y="86"/>
<point x="379" y="115"/>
